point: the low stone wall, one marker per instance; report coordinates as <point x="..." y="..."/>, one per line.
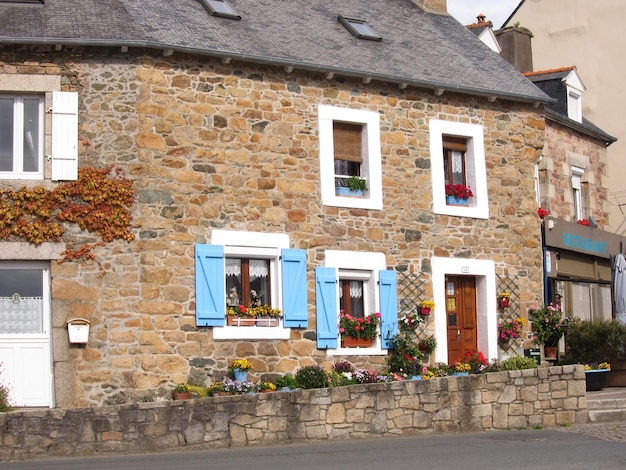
<point x="516" y="399"/>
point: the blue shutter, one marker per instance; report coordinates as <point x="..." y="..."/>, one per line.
<point x="326" y="313"/>
<point x="295" y="307"/>
<point x="210" y="289"/>
<point x="388" y="307"/>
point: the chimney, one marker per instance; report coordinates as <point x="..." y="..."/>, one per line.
<point x="439" y="7"/>
<point x="516" y="47"/>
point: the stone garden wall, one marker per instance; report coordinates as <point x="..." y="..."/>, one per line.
<point x="502" y="400"/>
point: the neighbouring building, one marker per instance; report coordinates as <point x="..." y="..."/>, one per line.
<point x="239" y="124"/>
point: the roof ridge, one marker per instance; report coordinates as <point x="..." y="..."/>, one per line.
<point x="545" y="72"/>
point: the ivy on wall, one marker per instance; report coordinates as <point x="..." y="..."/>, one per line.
<point x="98" y="201"/>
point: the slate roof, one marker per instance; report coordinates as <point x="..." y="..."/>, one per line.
<point x="418" y="48"/>
<point x="551" y="82"/>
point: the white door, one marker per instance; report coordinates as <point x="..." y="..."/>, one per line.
<point x="25" y="364"/>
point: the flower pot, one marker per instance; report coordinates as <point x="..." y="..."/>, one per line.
<point x="344" y="191"/>
<point x="455" y="201"/>
<point x="351" y="342"/>
<point x="240" y="375"/>
<point x="550" y="352"/>
<point x="596" y="379"/>
<point x="416" y="377"/>
<point x="461" y="374"/>
<point x="181" y="395"/>
<point x="504" y="303"/>
<point x="233" y="320"/>
<point x="424" y="311"/>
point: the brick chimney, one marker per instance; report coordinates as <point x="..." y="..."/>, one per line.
<point x="439" y="7"/>
<point x="516" y="47"/>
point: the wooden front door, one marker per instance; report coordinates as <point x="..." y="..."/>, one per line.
<point x="461" y="316"/>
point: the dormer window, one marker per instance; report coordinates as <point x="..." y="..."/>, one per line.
<point x="574" y="106"/>
<point x="359" y="28"/>
<point x="221" y="8"/>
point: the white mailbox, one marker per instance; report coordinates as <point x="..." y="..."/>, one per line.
<point x="78" y="330"/>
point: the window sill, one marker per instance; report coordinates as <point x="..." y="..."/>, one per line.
<point x="251" y="332"/>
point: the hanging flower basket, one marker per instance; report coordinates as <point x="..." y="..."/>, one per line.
<point x="504" y="303"/>
<point x="424" y="311"/>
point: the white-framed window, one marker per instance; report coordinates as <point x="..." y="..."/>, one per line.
<point x="458" y="157"/>
<point x="21" y="136"/>
<point x="574" y="106"/>
<point x="38" y="122"/>
<point x="359" y="282"/>
<point x="577" y="197"/>
<point x="350" y="146"/>
<point x="250" y="269"/>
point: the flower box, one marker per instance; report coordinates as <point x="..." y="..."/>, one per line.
<point x="455" y="201"/>
<point x="232" y="320"/>
<point x="267" y="321"/>
<point x="352" y="342"/>
<point x="596" y="379"/>
<point x="344" y="191"/>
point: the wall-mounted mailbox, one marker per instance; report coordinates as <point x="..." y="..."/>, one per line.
<point x="78" y="330"/>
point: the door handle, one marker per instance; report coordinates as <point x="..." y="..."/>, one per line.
<point x="458" y="334"/>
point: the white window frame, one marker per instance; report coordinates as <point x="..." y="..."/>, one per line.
<point x="371" y="166"/>
<point x="362" y="266"/>
<point x="255" y="245"/>
<point x="577" y="198"/>
<point x="574" y="105"/>
<point x="18" y="138"/>
<point x="475" y="168"/>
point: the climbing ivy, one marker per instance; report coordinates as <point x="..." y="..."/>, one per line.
<point x="98" y="201"/>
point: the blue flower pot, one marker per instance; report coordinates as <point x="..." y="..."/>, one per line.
<point x="416" y="377"/>
<point x="455" y="201"/>
<point x="460" y="374"/>
<point x="240" y="375"/>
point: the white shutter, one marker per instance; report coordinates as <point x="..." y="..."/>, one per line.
<point x="64" y="135"/>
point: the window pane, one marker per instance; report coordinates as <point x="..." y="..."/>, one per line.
<point x="21" y="301"/>
<point x="351" y="297"/>
<point x="457" y="168"/>
<point x="31" y="135"/>
<point x="259" y="282"/>
<point x="6" y="134"/>
<point x="233" y="282"/>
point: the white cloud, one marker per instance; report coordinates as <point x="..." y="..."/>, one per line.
<point x="497" y="11"/>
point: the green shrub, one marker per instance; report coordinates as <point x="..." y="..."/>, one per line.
<point x="518" y="363"/>
<point x="311" y="377"/>
<point x="286" y="381"/>
<point x="595" y="341"/>
<point x="5" y="404"/>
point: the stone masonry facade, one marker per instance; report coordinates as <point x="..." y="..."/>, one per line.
<point x="543" y="397"/>
<point x="235" y="146"/>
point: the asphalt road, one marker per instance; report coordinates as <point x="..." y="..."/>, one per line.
<point x="525" y="449"/>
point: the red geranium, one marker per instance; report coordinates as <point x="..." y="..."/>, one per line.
<point x="459" y="191"/>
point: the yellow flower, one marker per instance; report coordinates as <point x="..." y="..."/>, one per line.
<point x="427" y="304"/>
<point x="243" y="364"/>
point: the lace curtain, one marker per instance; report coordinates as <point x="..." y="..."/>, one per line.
<point x="21" y="316"/>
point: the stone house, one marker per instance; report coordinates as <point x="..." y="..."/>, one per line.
<point x="239" y="124"/>
<point x="573" y="187"/>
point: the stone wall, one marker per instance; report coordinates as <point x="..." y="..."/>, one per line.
<point x="494" y="401"/>
<point x="236" y="147"/>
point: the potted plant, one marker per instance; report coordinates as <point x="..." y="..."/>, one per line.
<point x="426" y="306"/>
<point x="597" y="375"/>
<point x="458" y="194"/>
<point x="547" y="325"/>
<point x="510" y="329"/>
<point x="589" y="342"/>
<point x="266" y="315"/>
<point x="286" y="383"/>
<point x="358" y="331"/>
<point x="427" y="345"/>
<point x="181" y="392"/>
<point x="240" y="316"/>
<point x="476" y="361"/>
<point x="239" y="369"/>
<point x="504" y="299"/>
<point x="410" y="322"/>
<point x="461" y="369"/>
<point x="355" y="186"/>
<point x="266" y="387"/>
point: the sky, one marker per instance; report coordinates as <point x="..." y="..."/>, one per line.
<point x="496" y="11"/>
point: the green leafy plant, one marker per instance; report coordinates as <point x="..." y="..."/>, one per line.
<point x="595" y="341"/>
<point x="286" y="381"/>
<point x="311" y="377"/>
<point x="98" y="201"/>
<point x="5" y="402"/>
<point x="428" y="345"/>
<point x="519" y="363"/>
<point x="547" y="324"/>
<point x="356" y="183"/>
<point x="181" y="388"/>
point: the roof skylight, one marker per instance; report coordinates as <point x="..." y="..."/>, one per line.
<point x="359" y="28"/>
<point x="221" y="8"/>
